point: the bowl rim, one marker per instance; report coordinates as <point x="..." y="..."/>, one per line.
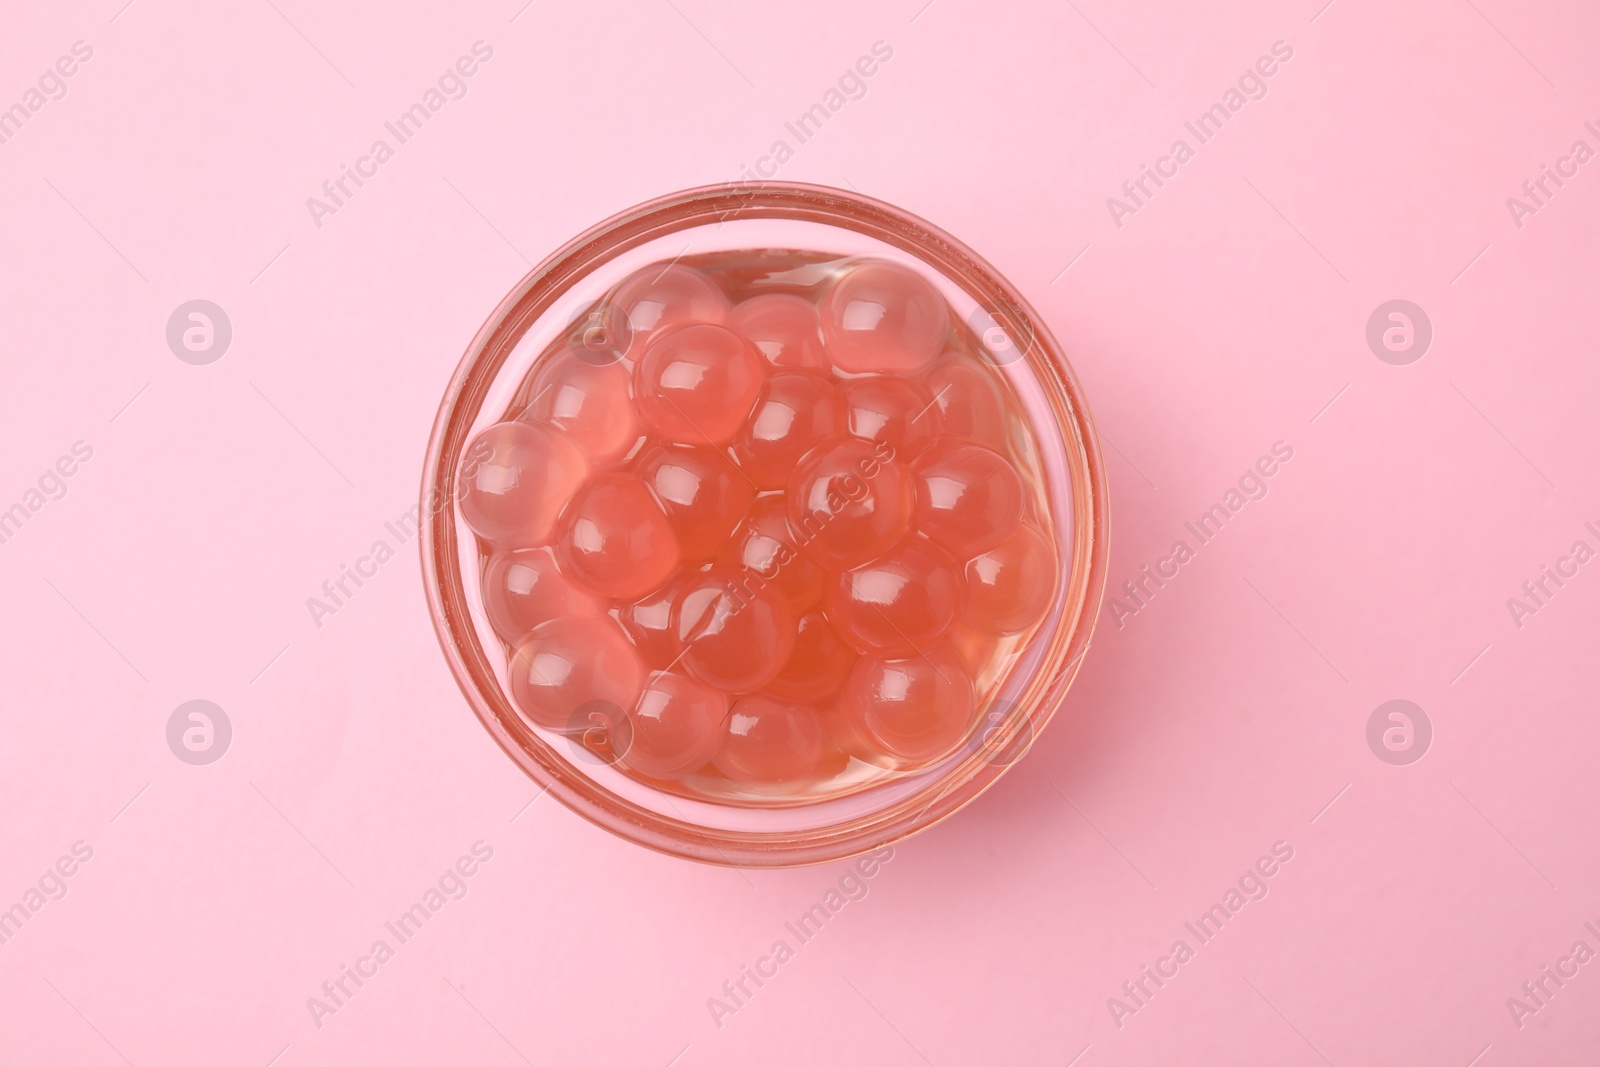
<point x="535" y="294"/>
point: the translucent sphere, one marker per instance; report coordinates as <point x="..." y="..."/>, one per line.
<point x="784" y="328"/>
<point x="615" y="539"/>
<point x="703" y="494"/>
<point x="769" y="741"/>
<point x="916" y="709"/>
<point x="591" y="402"/>
<point x="900" y="603"/>
<point x="564" y="666"/>
<point x="695" y="384"/>
<point x="677" y="726"/>
<point x="899" y="412"/>
<point x="880" y="317"/>
<point x="847" y="504"/>
<point x="736" y="635"/>
<point x="655" y="299"/>
<point x="969" y="405"/>
<point x="969" y="498"/>
<point x="764" y="545"/>
<point x="515" y="479"/>
<point x="794" y="414"/>
<point x="1010" y="586"/>
<point x="526" y="589"/>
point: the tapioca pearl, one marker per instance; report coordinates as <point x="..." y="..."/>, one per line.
<point x="818" y="665"/>
<point x="900" y="603"/>
<point x="677" y="726"/>
<point x="767" y="741"/>
<point x="916" y="709"/>
<point x="649" y="625"/>
<point x="559" y="673"/>
<point x="969" y="498"/>
<point x="525" y="589"/>
<point x="703" y="494"/>
<point x="736" y="634"/>
<point x="793" y="413"/>
<point x="969" y="402"/>
<point x="615" y="540"/>
<point x="765" y="545"/>
<point x="880" y="317"/>
<point x="591" y="403"/>
<point x="899" y="412"/>
<point x="658" y="298"/>
<point x="784" y="328"/>
<point x="696" y="384"/>
<point x="515" y="479"/>
<point x="1010" y="585"/>
<point x="847" y="503"/>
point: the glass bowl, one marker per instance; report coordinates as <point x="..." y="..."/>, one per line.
<point x="551" y="302"/>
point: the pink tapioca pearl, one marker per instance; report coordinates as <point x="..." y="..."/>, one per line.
<point x="784" y="328"/>
<point x="1010" y="586"/>
<point x="898" y="412"/>
<point x="736" y="634"/>
<point x="900" y="603"/>
<point x="764" y="545"/>
<point x="969" y="404"/>
<point x="703" y="494"/>
<point x="847" y="503"/>
<point x="818" y="665"/>
<point x="658" y="298"/>
<point x="969" y="498"/>
<point x="590" y="402"/>
<point x="677" y="726"/>
<point x="915" y="709"/>
<point x="567" y="669"/>
<point x="525" y="589"/>
<point x="696" y="384"/>
<point x="770" y="742"/>
<point x="615" y="539"/>
<point x="880" y="317"/>
<point x="794" y="413"/>
<point x="515" y="479"/>
<point x="649" y="624"/>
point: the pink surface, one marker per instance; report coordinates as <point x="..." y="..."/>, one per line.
<point x="1226" y="313"/>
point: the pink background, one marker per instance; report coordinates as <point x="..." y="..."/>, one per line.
<point x="1227" y="314"/>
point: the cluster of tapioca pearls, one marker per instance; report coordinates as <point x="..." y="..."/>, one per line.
<point x="766" y="535"/>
